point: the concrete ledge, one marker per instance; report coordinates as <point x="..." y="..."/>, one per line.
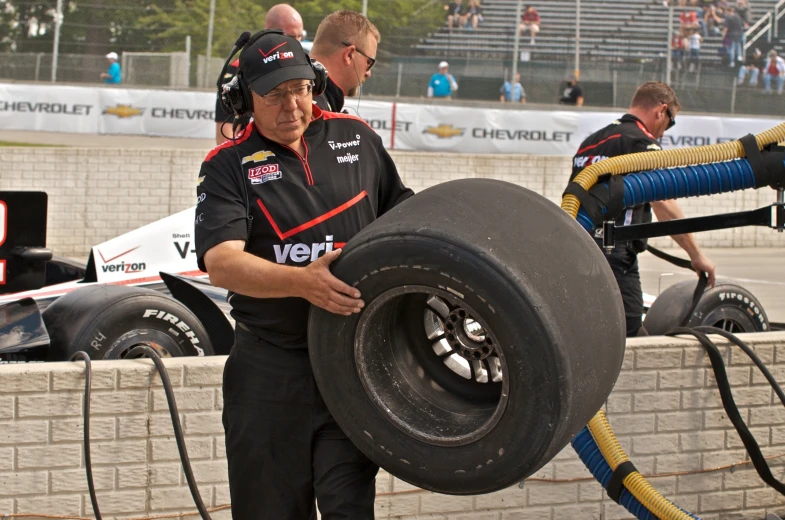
<point x="665" y="410"/>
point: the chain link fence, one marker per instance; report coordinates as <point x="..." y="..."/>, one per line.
<point x="164" y="43"/>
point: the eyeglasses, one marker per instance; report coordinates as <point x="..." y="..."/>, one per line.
<point x="370" y="61"/>
<point x="672" y="121"/>
<point x="276" y="97"/>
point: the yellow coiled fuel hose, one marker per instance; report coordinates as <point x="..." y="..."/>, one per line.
<point x="599" y="427"/>
<point x="636" y="162"/>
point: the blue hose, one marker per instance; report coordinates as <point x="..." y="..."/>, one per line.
<point x="676" y="183"/>
<point x="642" y="188"/>
<point x="587" y="449"/>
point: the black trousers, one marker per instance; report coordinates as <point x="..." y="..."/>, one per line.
<point x="283" y="447"/>
<point x="624" y="264"/>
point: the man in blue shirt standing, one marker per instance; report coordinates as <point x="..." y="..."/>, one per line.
<point x="113" y="74"/>
<point x="442" y="84"/>
<point x="513" y="92"/>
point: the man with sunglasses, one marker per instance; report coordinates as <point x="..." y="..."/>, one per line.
<point x="652" y="111"/>
<point x="276" y="205"/>
<point x="345" y="43"/>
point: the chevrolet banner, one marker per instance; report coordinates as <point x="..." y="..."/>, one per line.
<point x="402" y="126"/>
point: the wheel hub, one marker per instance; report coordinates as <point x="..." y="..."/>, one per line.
<point x="467" y="337"/>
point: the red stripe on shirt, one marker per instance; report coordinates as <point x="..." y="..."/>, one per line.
<point x="615" y="136"/>
<point x="311" y="223"/>
<point x="245" y="134"/>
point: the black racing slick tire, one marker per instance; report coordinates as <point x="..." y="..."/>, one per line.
<point x="492" y="333"/>
<point x="107" y="321"/>
<point x="726" y="306"/>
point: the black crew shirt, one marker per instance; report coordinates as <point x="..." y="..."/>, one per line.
<point x="332" y="98"/>
<point x="625" y="135"/>
<point x="302" y="206"/>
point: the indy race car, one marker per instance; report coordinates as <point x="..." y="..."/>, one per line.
<point x="141" y="288"/>
<point x="144" y="288"/>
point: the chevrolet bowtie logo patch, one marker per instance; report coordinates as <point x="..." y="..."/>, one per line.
<point x="259" y="156"/>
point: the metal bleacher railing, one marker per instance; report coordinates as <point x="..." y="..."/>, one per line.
<point x="622" y="44"/>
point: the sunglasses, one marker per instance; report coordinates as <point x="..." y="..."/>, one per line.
<point x="370" y="61"/>
<point x="672" y="121"/>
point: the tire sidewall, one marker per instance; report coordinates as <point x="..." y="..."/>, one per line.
<point x="730" y="301"/>
<point x="531" y="367"/>
<point x="132" y="316"/>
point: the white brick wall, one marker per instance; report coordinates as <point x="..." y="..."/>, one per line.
<point x="665" y="411"/>
<point x="97" y="194"/>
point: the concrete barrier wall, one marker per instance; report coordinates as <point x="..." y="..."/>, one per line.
<point x="98" y="193"/>
<point x="665" y="410"/>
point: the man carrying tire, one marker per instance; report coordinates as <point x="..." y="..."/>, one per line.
<point x="652" y="111"/>
<point x="276" y="205"/>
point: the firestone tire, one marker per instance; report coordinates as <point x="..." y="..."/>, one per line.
<point x="727" y="306"/>
<point x="106" y="321"/>
<point x="492" y="333"/>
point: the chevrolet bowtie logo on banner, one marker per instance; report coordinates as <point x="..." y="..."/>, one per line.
<point x="123" y="111"/>
<point x="444" y="131"/>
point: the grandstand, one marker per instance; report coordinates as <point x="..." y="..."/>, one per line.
<point x="623" y="31"/>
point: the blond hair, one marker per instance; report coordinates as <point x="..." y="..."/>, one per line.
<point x="341" y="26"/>
<point x="652" y="94"/>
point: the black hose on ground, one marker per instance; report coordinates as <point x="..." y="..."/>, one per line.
<point x="88" y="385"/>
<point x="178" y="430"/>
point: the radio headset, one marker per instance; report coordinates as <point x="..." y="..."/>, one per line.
<point x="236" y="97"/>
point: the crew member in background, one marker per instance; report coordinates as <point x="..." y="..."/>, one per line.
<point x="345" y="43"/>
<point x="652" y="111"/>
<point x="282" y="444"/>
<point x="113" y="75"/>
<point x="442" y="84"/>
<point x="573" y="92"/>
<point x="280" y="16"/>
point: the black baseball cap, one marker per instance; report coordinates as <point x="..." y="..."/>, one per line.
<point x="272" y="59"/>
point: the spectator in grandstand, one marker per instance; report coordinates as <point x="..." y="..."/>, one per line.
<point x="113" y="74"/>
<point x="694" y="40"/>
<point x="774" y="69"/>
<point x="733" y="32"/>
<point x="512" y="92"/>
<point x="743" y="10"/>
<point x="573" y="92"/>
<point x="678" y="45"/>
<point x="715" y="20"/>
<point x="456" y="13"/>
<point x="442" y="84"/>
<point x="280" y="16"/>
<point x="473" y="14"/>
<point x="752" y="66"/>
<point x="688" y="20"/>
<point x="530" y="19"/>
<point x="703" y="20"/>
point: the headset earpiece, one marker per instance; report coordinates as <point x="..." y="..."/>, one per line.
<point x="320" y="76"/>
<point x="236" y="95"/>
